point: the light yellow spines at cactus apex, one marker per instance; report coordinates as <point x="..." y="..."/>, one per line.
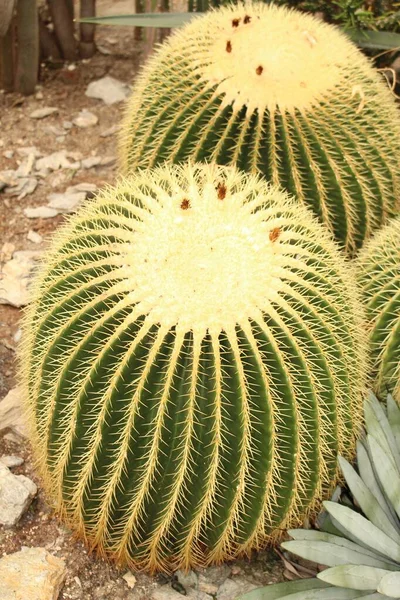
<point x="193" y="362"/>
<point x="279" y="92"/>
<point x="378" y="268"/>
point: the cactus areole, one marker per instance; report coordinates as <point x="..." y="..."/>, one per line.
<point x="379" y="279"/>
<point x="191" y="366"/>
<point x="274" y="91"/>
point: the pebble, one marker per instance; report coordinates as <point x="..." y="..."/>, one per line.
<point x="11" y="461"/>
<point x="28" y="150"/>
<point x="6" y="252"/>
<point x="34" y="237"/>
<point x="31" y="574"/>
<point x="40" y="212"/>
<point x="16" y="494"/>
<point x="130" y="579"/>
<point x="56" y="160"/>
<point x="8" y="153"/>
<point x="85" y="119"/>
<point x="187" y="579"/>
<point x="11" y="413"/>
<point x="67" y="124"/>
<point x="41" y="113"/>
<point x="168" y="593"/>
<point x="108" y="89"/>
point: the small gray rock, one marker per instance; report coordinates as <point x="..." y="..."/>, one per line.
<point x="108" y="89"/>
<point x="110" y="131"/>
<point x="216" y="574"/>
<point x="11" y="461"/>
<point x="41" y="113"/>
<point x="16" y="494"/>
<point x="188" y="579"/>
<point x="168" y="593"/>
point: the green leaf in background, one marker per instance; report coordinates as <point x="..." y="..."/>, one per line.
<point x="394" y="418"/>
<point x="374" y="40"/>
<point x="354" y="577"/>
<point x="144" y="20"/>
<point x="388" y="473"/>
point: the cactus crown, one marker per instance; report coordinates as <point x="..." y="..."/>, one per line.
<point x="190" y="366"/>
<point x="378" y="267"/>
<point x="277" y="92"/>
<point x="266" y="57"/>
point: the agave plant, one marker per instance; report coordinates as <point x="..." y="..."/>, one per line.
<point x="193" y="366"/>
<point x="364" y="556"/>
<point x="378" y="267"/>
<point x="260" y="87"/>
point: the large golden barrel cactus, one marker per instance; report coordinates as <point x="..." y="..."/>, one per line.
<point x="279" y="92"/>
<point x="378" y="268"/>
<point x="193" y="364"/>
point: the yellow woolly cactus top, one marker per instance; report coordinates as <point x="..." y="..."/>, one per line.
<point x="266" y="56"/>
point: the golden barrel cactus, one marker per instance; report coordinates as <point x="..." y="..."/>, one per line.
<point x="378" y="266"/>
<point x="281" y="93"/>
<point x="193" y="364"/>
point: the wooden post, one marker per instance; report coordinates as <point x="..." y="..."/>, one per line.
<point x="7" y="43"/>
<point x="27" y="67"/>
<point x="87" y="46"/>
<point x="62" y="18"/>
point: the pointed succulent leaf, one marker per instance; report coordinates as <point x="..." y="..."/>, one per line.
<point x="333" y="555"/>
<point x="394" y="418"/>
<point x="355" y="577"/>
<point x="310" y="535"/>
<point x="378" y="427"/>
<point x="390" y="585"/>
<point x="367" y="501"/>
<point x="333" y="593"/>
<point x="388" y="473"/>
<point x="284" y="590"/>
<point x="361" y="529"/>
<point x="374" y="596"/>
<point x="370" y="479"/>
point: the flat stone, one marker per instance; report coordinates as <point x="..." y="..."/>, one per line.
<point x="67" y="124"/>
<point x="91" y="161"/>
<point x="85" y="119"/>
<point x="55" y="161"/>
<point x="108" y="160"/>
<point x="67" y="202"/>
<point x="168" y="593"/>
<point x="55" y="130"/>
<point x="40" y="212"/>
<point x="6" y="252"/>
<point x="28" y="150"/>
<point x="24" y="187"/>
<point x="34" y="237"/>
<point x="11" y="461"/>
<point x="8" y="154"/>
<point x="110" y="131"/>
<point x="231" y="589"/>
<point x="41" y="113"/>
<point x="216" y="574"/>
<point x="12" y="414"/>
<point x="108" y="89"/>
<point x="31" y="574"/>
<point x="89" y="188"/>
<point x="16" y="494"/>
<point x="16" y="276"/>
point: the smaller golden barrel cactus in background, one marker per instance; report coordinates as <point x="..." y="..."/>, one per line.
<point x="378" y="268"/>
<point x="279" y="92"/>
<point x="193" y="365"/>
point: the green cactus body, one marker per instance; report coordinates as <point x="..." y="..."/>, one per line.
<point x="274" y="91"/>
<point x="379" y="277"/>
<point x="191" y="366"/>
